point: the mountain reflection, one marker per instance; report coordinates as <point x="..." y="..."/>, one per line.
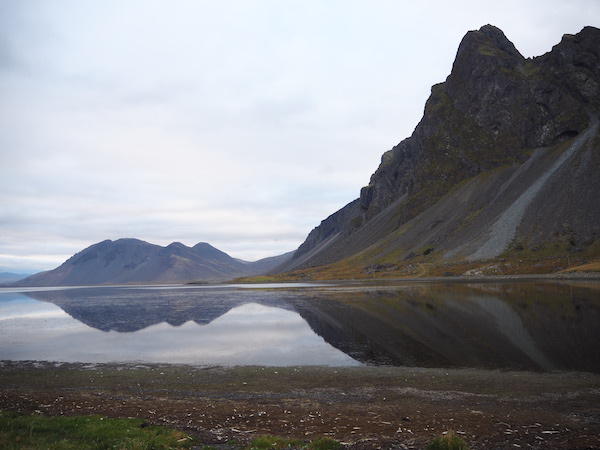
<point x="532" y="326"/>
<point x="247" y="334"/>
<point x="133" y="309"/>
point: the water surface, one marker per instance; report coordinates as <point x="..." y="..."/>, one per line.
<point x="526" y="325"/>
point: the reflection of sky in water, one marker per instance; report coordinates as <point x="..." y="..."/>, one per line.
<point x="522" y="326"/>
<point x="248" y="334"/>
<point x="23" y="319"/>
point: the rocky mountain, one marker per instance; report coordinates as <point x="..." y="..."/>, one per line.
<point x="127" y="261"/>
<point x="505" y="161"/>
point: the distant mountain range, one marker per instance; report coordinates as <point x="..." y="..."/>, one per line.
<point x="9" y="277"/>
<point x="504" y="164"/>
<point x="128" y="261"/>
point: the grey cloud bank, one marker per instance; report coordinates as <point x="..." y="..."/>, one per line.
<point x="242" y="124"/>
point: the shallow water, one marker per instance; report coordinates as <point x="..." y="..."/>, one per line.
<point x="526" y="325"/>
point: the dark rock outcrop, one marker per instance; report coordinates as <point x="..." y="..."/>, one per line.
<point x="480" y="130"/>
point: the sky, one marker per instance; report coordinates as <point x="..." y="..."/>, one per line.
<point x="234" y="122"/>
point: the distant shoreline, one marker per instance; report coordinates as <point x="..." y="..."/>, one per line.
<point x="559" y="276"/>
<point x="515" y="277"/>
<point x="592" y="276"/>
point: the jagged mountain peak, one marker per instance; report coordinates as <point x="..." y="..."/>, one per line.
<point x="498" y="116"/>
<point x="489" y="41"/>
<point x="483" y="57"/>
<point x="575" y="63"/>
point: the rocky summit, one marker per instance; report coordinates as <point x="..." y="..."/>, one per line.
<point x="503" y="166"/>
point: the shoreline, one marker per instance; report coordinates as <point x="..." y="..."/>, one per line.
<point x="558" y="276"/>
<point x="365" y="407"/>
<point x="584" y="276"/>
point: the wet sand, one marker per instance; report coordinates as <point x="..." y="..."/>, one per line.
<point x="363" y="407"/>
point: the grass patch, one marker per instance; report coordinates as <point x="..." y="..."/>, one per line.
<point x="275" y="442"/>
<point x="19" y="431"/>
<point x="449" y="441"/>
<point x="256" y="279"/>
<point x="590" y="267"/>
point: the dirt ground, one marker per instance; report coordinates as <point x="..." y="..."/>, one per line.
<point x="363" y="407"/>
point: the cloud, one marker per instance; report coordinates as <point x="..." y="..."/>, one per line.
<point x="243" y="124"/>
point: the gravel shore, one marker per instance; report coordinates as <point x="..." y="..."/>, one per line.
<point x="363" y="407"/>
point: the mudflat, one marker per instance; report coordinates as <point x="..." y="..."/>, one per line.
<point x="362" y="407"/>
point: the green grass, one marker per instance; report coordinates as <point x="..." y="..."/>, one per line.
<point x="19" y="431"/>
<point x="275" y="442"/>
<point x="449" y="441"/>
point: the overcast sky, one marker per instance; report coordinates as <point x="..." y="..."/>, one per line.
<point x="238" y="123"/>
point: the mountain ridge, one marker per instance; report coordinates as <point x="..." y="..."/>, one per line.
<point x="11" y="277"/>
<point x="489" y="126"/>
<point x="128" y="261"/>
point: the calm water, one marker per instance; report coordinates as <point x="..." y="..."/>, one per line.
<point x="525" y="326"/>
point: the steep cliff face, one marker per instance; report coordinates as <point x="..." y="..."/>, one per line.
<point x="485" y="121"/>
